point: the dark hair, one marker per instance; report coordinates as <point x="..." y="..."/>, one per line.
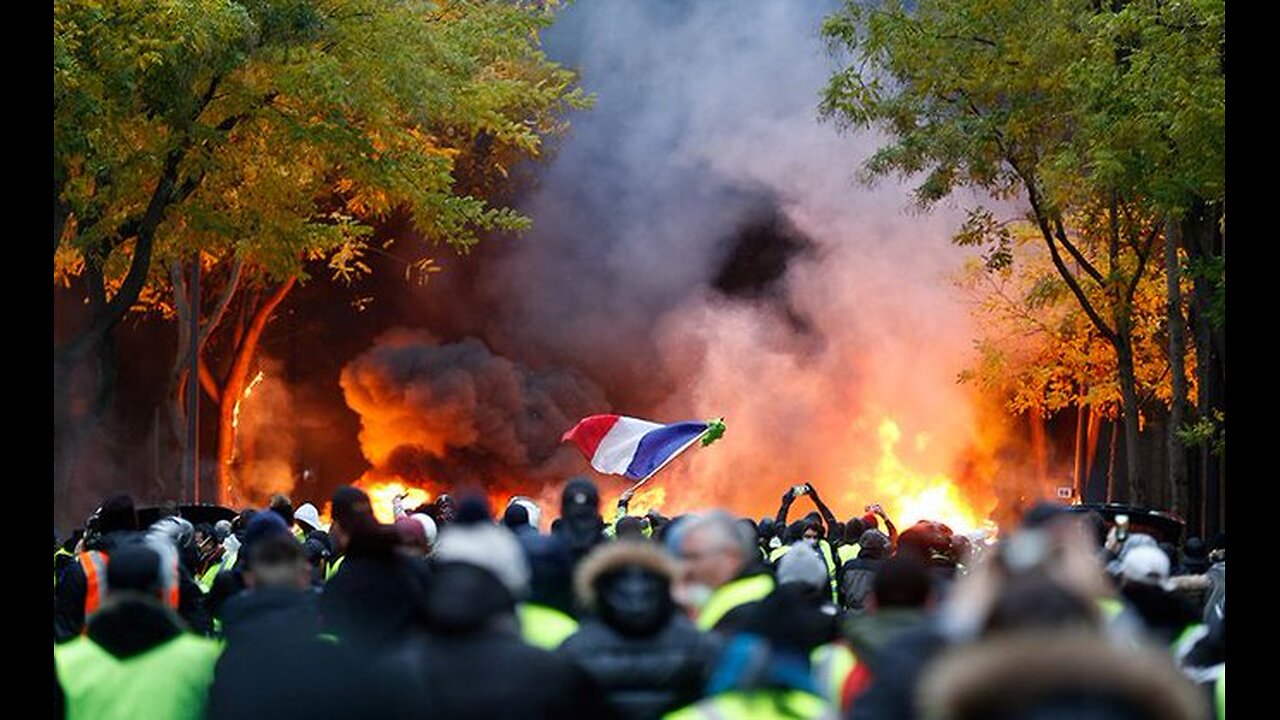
<point x="243" y="519"/>
<point x="853" y="530"/>
<point x="275" y="551"/>
<point x="902" y="581"/>
<point x="282" y="506"/>
<point x="515" y="516"/>
<point x="1032" y="600"/>
<point x="767" y="528"/>
<point x="794" y="532"/>
<point x="630" y="527"/>
<point x="117" y="513"/>
<point x="1194" y="550"/>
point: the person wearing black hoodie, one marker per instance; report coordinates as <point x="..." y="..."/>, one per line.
<point x="379" y="594"/>
<point x="857" y="575"/>
<point x="646" y="657"/>
<point x="473" y="664"/>
<point x="553" y="557"/>
<point x="274" y="660"/>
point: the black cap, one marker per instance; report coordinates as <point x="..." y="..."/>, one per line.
<point x="579" y="494"/>
<point x="135" y="567"/>
<point x="472" y="508"/>
<point x="516" y="516"/>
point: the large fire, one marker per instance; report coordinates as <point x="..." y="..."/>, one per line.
<point x="910" y="496"/>
<point x="906" y="494"/>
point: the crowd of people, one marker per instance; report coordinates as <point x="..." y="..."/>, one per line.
<point x="451" y="612"/>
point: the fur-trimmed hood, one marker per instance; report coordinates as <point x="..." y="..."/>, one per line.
<point x="615" y="556"/>
<point x="1007" y="676"/>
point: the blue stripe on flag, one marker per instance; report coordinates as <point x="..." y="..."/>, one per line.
<point x="657" y="446"/>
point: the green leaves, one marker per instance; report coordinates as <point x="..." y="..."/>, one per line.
<point x="1076" y="99"/>
<point x="981" y="229"/>
<point x="282" y="110"/>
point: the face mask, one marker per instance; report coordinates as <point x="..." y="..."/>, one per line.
<point x="697" y="595"/>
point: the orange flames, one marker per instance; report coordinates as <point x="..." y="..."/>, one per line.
<point x="382" y="496"/>
<point x="248" y="391"/>
<point x="907" y="494"/>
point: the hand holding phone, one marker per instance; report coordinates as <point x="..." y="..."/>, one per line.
<point x="1122" y="527"/>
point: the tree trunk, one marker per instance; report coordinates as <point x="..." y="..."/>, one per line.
<point x="1039" y="447"/>
<point x="1177" y="460"/>
<point x="179" y="372"/>
<point x="1076" y="483"/>
<point x="176" y="403"/>
<point x="229" y="493"/>
<point x="1132" y="454"/>
<point x="1111" y="464"/>
<point x="1203" y="242"/>
<point x="1091" y="442"/>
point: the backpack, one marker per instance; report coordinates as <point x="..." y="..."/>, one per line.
<point x="856" y="578"/>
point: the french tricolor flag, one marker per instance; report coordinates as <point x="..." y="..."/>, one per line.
<point x="620" y="445"/>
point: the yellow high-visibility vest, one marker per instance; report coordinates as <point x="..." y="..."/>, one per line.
<point x="731" y="595"/>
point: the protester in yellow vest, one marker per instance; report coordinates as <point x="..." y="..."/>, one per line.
<point x="136" y="658"/>
<point x="722" y="569"/>
<point x="544" y="626"/>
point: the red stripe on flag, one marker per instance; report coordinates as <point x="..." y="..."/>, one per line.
<point x="588" y="433"/>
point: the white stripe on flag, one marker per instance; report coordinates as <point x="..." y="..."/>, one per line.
<point x="618" y="446"/>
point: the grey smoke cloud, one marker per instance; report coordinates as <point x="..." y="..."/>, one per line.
<point x="706" y="115"/>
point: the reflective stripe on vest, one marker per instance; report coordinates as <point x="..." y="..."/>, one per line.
<point x="95" y="564"/>
<point x="332" y="570"/>
<point x="831" y="662"/>
<point x="1111" y="607"/>
<point x="829" y="558"/>
<point x="731" y="595"/>
<point x="95" y="579"/>
<point x="1220" y="695"/>
<point x="544" y="627"/>
<point x="171" y="582"/>
<point x="60" y="552"/>
<point x="1186" y="639"/>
